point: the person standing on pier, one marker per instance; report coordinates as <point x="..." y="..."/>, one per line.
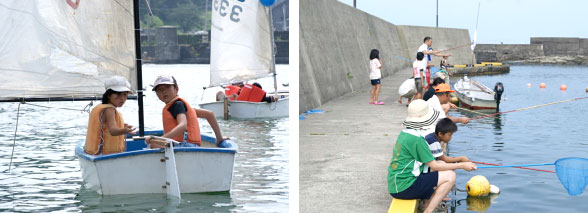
<point x="427" y="49"/>
<point x="375" y="76"/>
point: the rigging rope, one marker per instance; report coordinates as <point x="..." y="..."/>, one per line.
<point x="87" y="108"/>
<point x="14" y="140"/>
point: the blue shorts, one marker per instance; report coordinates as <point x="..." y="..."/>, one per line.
<point x="375" y="82"/>
<point x="422" y="188"/>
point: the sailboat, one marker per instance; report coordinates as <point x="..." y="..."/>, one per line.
<point x="54" y="50"/>
<point x="242" y="49"/>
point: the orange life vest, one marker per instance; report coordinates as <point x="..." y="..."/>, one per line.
<point x="231" y="90"/>
<point x="98" y="133"/>
<point x="251" y="93"/>
<point x="169" y="122"/>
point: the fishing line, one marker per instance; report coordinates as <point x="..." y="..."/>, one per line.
<point x="526" y="108"/>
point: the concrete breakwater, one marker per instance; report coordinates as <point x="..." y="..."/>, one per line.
<point x="335" y="42"/>
<point x="541" y="50"/>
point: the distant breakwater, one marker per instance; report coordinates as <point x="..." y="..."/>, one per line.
<point x="541" y="50"/>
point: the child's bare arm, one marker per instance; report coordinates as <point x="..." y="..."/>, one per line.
<point x="109" y="118"/>
<point x="448" y="159"/>
<point x="436" y="166"/>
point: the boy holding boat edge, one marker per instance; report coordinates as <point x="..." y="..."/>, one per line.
<point x="179" y="117"/>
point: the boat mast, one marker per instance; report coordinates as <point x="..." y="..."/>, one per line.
<point x="273" y="51"/>
<point x="138" y="66"/>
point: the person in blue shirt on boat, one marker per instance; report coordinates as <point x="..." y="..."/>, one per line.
<point x="406" y="179"/>
<point x="179" y="118"/>
<point x="106" y="127"/>
<point x="438" y="140"/>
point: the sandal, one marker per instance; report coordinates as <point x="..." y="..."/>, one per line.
<point x="379" y="103"/>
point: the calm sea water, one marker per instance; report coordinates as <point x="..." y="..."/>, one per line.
<point x="45" y="174"/>
<point x="539" y="135"/>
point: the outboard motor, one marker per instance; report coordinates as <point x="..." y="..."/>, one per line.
<point x="498" y="90"/>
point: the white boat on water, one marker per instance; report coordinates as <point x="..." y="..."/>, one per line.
<point x="139" y="170"/>
<point x="57" y="50"/>
<point x="475" y="95"/>
<point x="242" y="50"/>
<point x="247" y="110"/>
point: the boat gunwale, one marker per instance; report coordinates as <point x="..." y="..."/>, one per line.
<point x="235" y="101"/>
<point x="227" y="146"/>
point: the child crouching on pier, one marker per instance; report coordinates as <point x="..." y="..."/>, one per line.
<point x="438" y="140"/>
<point x="411" y="153"/>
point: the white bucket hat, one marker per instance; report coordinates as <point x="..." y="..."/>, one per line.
<point x="420" y="115"/>
<point x="118" y="84"/>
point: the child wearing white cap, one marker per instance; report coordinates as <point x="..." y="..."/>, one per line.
<point x="179" y="118"/>
<point x="106" y="127"/>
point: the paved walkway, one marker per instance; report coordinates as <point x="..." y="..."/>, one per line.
<point x="345" y="152"/>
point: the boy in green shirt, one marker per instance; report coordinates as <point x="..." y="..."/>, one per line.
<point x="412" y="153"/>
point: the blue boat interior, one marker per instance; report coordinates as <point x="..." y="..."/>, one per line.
<point x="137" y="147"/>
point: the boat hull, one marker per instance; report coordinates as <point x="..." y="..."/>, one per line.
<point x="474" y="95"/>
<point x="477" y="104"/>
<point x="245" y="110"/>
<point x="199" y="169"/>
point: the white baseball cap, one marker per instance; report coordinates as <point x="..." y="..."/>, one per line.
<point x="118" y="84"/>
<point x="163" y="79"/>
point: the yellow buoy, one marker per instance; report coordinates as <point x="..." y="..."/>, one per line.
<point x="478" y="186"/>
<point x="542" y="85"/>
<point x="563" y="87"/>
<point x="528" y="84"/>
<point x="586" y="89"/>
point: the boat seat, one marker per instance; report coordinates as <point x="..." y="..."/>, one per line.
<point x="400" y="205"/>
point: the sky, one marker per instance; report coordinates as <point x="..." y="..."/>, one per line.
<point x="507" y="21"/>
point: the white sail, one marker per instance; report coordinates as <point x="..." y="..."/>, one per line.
<point x="240" y="41"/>
<point x="64" y="48"/>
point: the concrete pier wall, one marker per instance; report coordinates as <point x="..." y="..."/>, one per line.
<point x="335" y="42"/>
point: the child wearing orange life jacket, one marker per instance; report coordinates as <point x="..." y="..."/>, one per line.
<point x="179" y="117"/>
<point x="106" y="127"/>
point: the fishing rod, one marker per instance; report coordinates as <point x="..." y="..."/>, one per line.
<point x="465" y="45"/>
<point x="493" y="164"/>
<point x="526" y="108"/>
<point x="472" y="111"/>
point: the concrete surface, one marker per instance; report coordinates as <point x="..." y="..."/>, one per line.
<point x="335" y="42"/>
<point x="345" y="152"/>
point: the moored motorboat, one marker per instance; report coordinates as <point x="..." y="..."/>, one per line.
<point x="475" y="95"/>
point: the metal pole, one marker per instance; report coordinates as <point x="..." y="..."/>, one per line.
<point x="138" y="67"/>
<point x="273" y="51"/>
<point x="354" y="5"/>
<point x="437" y="23"/>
